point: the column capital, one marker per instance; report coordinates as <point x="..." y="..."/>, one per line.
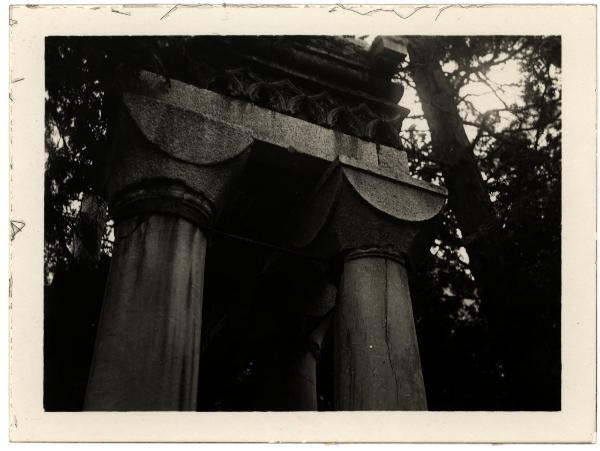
<point x="170" y="159"/>
<point x="355" y="211"/>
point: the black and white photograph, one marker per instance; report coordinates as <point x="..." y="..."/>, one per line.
<point x="302" y="222"/>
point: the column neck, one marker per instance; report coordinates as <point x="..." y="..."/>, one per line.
<point x="163" y="197"/>
<point x="375" y="251"/>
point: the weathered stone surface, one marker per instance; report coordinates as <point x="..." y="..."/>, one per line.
<point x="265" y="125"/>
<point x="201" y="139"/>
<point x="148" y="340"/>
<point x="202" y="164"/>
<point x="374" y="221"/>
<point x="401" y="201"/>
<point x="184" y="134"/>
<point x="387" y="53"/>
<point x="170" y="174"/>
<point x="166" y="197"/>
<point x="180" y="152"/>
<point x="341" y="66"/>
<point x="388" y="47"/>
<point x="202" y="160"/>
<point x="352" y="208"/>
<point x="377" y="358"/>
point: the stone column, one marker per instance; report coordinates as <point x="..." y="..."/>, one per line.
<point x="168" y="177"/>
<point x="377" y="355"/>
<point x="302" y="300"/>
<point x="148" y="341"/>
<point x="373" y="222"/>
<point x="301" y="366"/>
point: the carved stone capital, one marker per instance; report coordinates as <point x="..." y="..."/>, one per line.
<point x="354" y="211"/>
<point x="166" y="154"/>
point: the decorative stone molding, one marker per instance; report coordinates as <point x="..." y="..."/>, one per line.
<point x="163" y="196"/>
<point x="348" y="70"/>
<point x="376" y="252"/>
<point x="285" y="97"/>
<point x="309" y="108"/>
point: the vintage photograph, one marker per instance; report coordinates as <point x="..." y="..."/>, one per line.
<point x="302" y="223"/>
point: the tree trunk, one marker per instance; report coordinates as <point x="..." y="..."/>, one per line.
<point x="468" y="196"/>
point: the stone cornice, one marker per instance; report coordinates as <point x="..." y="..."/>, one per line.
<point x="338" y="79"/>
<point x="381" y="124"/>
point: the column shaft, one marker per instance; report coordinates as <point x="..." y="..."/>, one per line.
<point x="377" y="363"/>
<point x="148" y="340"/>
<point x="301" y="383"/>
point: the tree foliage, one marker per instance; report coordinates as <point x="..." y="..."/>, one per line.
<point x="517" y="145"/>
